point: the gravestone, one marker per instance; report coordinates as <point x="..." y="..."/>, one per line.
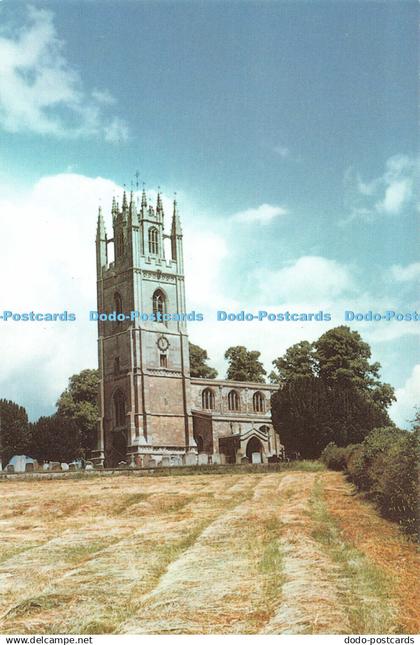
<point x="190" y="459"/>
<point x="46" y="466"/>
<point x="166" y="462"/>
<point x="64" y="466"/>
<point x="10" y="468"/>
<point x="55" y="465"/>
<point x="89" y="467"/>
<point x="138" y="461"/>
<point x="72" y="467"/>
<point x="29" y="468"/>
<point x="152" y="463"/>
<point x="245" y="460"/>
<point x="256" y="458"/>
<point x="203" y="459"/>
<point x="176" y="460"/>
<point x="215" y="458"/>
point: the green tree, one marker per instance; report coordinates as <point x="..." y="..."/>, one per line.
<point x="308" y="414"/>
<point x="198" y="363"/>
<point x="343" y="357"/>
<point x="79" y="403"/>
<point x="329" y="392"/>
<point x="297" y="361"/>
<point x="244" y="365"/>
<point x="55" y="438"/>
<point x="14" y="435"/>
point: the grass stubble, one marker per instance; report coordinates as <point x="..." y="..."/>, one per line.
<point x="239" y="553"/>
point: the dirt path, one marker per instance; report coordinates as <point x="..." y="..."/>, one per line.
<point x="248" y="553"/>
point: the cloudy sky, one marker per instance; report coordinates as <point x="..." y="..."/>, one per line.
<point x="288" y="131"/>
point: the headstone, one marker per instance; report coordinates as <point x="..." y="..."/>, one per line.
<point x="176" y="460"/>
<point x="29" y="467"/>
<point x="190" y="459"/>
<point x="72" y="467"/>
<point x="152" y="463"/>
<point x="46" y="466"/>
<point x="55" y="465"/>
<point x="216" y="458"/>
<point x="203" y="459"/>
<point x="222" y="459"/>
<point x="10" y="468"/>
<point x="89" y="467"/>
<point x="64" y="466"/>
<point x="256" y="458"/>
<point x="245" y="460"/>
<point x="166" y="462"/>
<point x="138" y="461"/>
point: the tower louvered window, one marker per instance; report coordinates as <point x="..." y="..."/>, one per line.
<point x="159" y="302"/>
<point x="153" y="241"/>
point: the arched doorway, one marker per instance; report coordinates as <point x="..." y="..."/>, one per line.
<point x="253" y="445"/>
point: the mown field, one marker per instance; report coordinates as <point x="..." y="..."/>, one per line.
<point x="275" y="553"/>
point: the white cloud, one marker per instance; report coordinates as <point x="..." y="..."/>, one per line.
<point x="309" y="279"/>
<point x="407" y="273"/>
<point x="40" y="92"/>
<point x="408" y="397"/>
<point x="388" y="194"/>
<point x="48" y="263"/>
<point x="263" y="214"/>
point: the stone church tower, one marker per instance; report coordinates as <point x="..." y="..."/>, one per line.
<point x="145" y="397"/>
<point x="152" y="412"/>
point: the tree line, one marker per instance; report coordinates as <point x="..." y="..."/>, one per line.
<point x="328" y="390"/>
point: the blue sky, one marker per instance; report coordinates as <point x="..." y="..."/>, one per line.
<point x="288" y="130"/>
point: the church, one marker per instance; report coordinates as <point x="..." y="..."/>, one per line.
<point x="152" y="411"/>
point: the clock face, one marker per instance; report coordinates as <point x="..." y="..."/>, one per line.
<point x="163" y="343"/>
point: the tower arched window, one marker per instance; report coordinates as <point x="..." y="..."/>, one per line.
<point x="207" y="399"/>
<point x="258" y="402"/>
<point x="153" y="240"/>
<point x="117" y="303"/>
<point x="119" y="409"/>
<point x="233" y="400"/>
<point x="119" y="245"/>
<point x="159" y="302"/>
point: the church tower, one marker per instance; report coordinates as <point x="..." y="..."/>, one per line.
<point x="145" y="399"/>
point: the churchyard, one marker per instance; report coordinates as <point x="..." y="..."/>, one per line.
<point x="293" y="552"/>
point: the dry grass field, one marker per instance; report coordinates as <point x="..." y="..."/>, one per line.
<point x="275" y="553"/>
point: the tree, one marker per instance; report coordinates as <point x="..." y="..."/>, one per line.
<point x="342" y="356"/>
<point x="308" y="414"/>
<point x="198" y="360"/>
<point x="298" y="361"/>
<point x="14" y="436"/>
<point x="244" y="365"/>
<point x="330" y="391"/>
<point x="55" y="438"/>
<point x="79" y="403"/>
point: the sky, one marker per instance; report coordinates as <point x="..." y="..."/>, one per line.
<point x="288" y="131"/>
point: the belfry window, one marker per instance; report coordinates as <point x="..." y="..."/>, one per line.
<point x="258" y="402"/>
<point x="159" y="302"/>
<point x="153" y="241"/>
<point x="119" y="409"/>
<point x="233" y="400"/>
<point x="207" y="399"/>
